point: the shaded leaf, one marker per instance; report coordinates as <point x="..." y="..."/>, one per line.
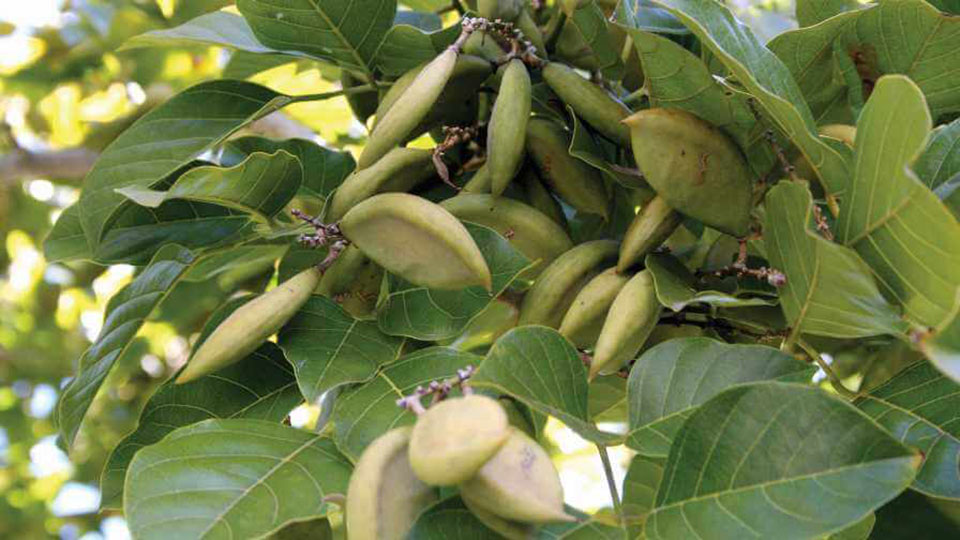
<point x="607" y="399"/>
<point x="858" y="531"/>
<point x="244" y="260"/>
<point x="640" y="490"/>
<point x="432" y="315"/>
<point x="676" y="286"/>
<point x="919" y="406"/>
<point x="644" y="15"/>
<point x="764" y="76"/>
<point x="406" y="47"/>
<point x="912" y="515"/>
<point x="587" y="21"/>
<point x="942" y="347"/>
<point x="164" y="140"/>
<point x="584" y="147"/>
<point x="125" y="314"/>
<point x="367" y="411"/>
<point x="329" y="348"/>
<point x="345" y="32"/>
<point x="811" y="12"/>
<point x="776" y="460"/>
<point x="261" y="185"/>
<point x="672" y="379"/>
<point x="261" y="386"/>
<point x="829" y="290"/>
<point x="231" y="477"/>
<point x="899" y="227"/>
<point x="539" y="367"/>
<point x="940" y="161"/>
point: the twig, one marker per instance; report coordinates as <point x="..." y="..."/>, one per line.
<point x="323" y="234"/>
<point x="438" y="389"/>
<point x="453" y="135"/>
<point x="831" y="375"/>
<point x="337" y="93"/>
<point x="739" y="268"/>
<point x="822" y="226"/>
<point x="611" y="483"/>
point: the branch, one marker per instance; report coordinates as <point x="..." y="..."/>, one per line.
<point x="71" y="164"/>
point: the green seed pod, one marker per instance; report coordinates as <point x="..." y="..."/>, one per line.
<point x="539" y="196"/>
<point x="511" y="530"/>
<point x="385" y="496"/>
<point x="401" y="170"/>
<point x="508" y="126"/>
<point x="694" y="166"/>
<point x="531" y="31"/>
<point x="481" y="45"/>
<point x="480" y="182"/>
<point x="535" y="235"/>
<point x="648" y="230"/>
<point x="519" y="483"/>
<point x="592" y="103"/>
<point x="362" y="104"/>
<point x="505" y="10"/>
<point x="353" y="281"/>
<point x="250" y="325"/>
<point x="454" y="438"/>
<point x="409" y="109"/>
<point x="456" y="104"/>
<point x="416" y="240"/>
<point x="555" y="289"/>
<point x="632" y="316"/>
<point x="576" y="182"/>
<point x="583" y="321"/>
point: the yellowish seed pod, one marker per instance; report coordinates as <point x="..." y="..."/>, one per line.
<point x="555" y="289"/>
<point x="409" y="109"/>
<point x="400" y="170"/>
<point x="511" y="530"/>
<point x="508" y="126"/>
<point x="519" y="483"/>
<point x="353" y="281"/>
<point x="648" y="230"/>
<point x="576" y="182"/>
<point x="694" y="166"/>
<point x="480" y="182"/>
<point x="416" y="240"/>
<point x="535" y="235"/>
<point x="250" y="325"/>
<point x="531" y="31"/>
<point x="583" y="321"/>
<point x="595" y="105"/>
<point x="632" y="316"/>
<point x="539" y="196"/>
<point x="385" y="497"/>
<point x="455" y="437"/>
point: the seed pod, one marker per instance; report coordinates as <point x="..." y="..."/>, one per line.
<point x="511" y="530"/>
<point x="519" y="483"/>
<point x="362" y="104"/>
<point x="576" y="182"/>
<point x="385" y="496"/>
<point x="480" y="182"/>
<point x="505" y="10"/>
<point x="632" y="316"/>
<point x="400" y="170"/>
<point x="409" y="109"/>
<point x="583" y="321"/>
<point x="353" y="281"/>
<point x="508" y="126"/>
<point x="482" y="45"/>
<point x="694" y="166"/>
<point x="648" y="230"/>
<point x="539" y="197"/>
<point x="592" y="103"/>
<point x="535" y="235"/>
<point x="555" y="289"/>
<point x="416" y="240"/>
<point x="454" y="438"/>
<point x="250" y="325"/>
<point x="457" y="103"/>
<point x="531" y="31"/>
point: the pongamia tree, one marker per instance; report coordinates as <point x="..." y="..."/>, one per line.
<point x="636" y="219"/>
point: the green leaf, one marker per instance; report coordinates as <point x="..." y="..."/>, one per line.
<point x="942" y="347"/>
<point x="406" y="47"/>
<point x="164" y="140"/>
<point x="584" y="147"/>
<point x="919" y="406"/>
<point x="767" y="78"/>
<point x="940" y="161"/>
<point x="586" y="20"/>
<point x="367" y="411"/>
<point x="607" y="399"/>
<point x="66" y="241"/>
<point x="261" y="386"/>
<point x="669" y="382"/>
<point x="315" y="529"/>
<point x="858" y="531"/>
<point x="539" y="367"/>
<point x="231" y="478"/>
<point x="912" y="515"/>
<point x="261" y="186"/>
<point x="643" y="15"/>
<point x="345" y="32"/>
<point x="640" y="490"/>
<point x="219" y="29"/>
<point x="909" y="37"/>
<point x="432" y="315"/>
<point x="323" y="169"/>
<point x="811" y="12"/>
<point x="329" y="348"/>
<point x="899" y="227"/>
<point x="244" y="65"/>
<point x="775" y="460"/>
<point x="243" y="261"/>
<point x="676" y="286"/>
<point x="829" y="290"/>
<point x="125" y="314"/>
<point x="676" y="78"/>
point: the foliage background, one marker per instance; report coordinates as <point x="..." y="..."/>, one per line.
<point x="65" y="92"/>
